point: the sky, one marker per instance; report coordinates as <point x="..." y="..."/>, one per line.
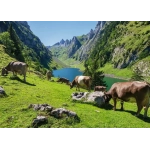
<point x="51" y="32"/>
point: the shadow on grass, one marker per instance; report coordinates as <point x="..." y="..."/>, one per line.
<point x="18" y="79"/>
<point x="107" y="107"/>
<point x="141" y="117"/>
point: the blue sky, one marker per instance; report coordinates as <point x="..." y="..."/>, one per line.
<point x="51" y="32"/>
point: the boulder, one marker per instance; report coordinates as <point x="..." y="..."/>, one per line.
<point x="96" y="97"/>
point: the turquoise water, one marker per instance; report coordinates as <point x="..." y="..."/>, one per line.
<point x="110" y="81"/>
<point x="70" y="74"/>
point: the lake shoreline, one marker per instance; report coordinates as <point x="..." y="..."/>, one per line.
<point x="113" y="76"/>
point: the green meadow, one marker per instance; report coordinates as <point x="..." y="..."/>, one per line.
<point x="16" y="114"/>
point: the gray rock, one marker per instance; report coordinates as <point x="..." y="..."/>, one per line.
<point x="41" y="107"/>
<point x="60" y="112"/>
<point x="96" y="97"/>
<point x="39" y="120"/>
<point x="2" y="92"/>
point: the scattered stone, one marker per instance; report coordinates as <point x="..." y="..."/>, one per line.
<point x="42" y="107"/>
<point x="59" y="113"/>
<point x="39" y="120"/>
<point x="2" y="92"/>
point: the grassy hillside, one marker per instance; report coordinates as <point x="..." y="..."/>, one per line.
<point x="16" y="114"/>
<point x="60" y="54"/>
<point x="4" y="58"/>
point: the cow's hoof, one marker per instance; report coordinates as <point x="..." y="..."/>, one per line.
<point x="145" y="117"/>
<point x="136" y="115"/>
<point x="114" y="109"/>
<point x="121" y="109"/>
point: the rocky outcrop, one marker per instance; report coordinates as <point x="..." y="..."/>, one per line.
<point x="55" y="112"/>
<point x="96" y="98"/>
<point x="122" y="58"/>
<point x="67" y="42"/>
<point x="91" y="34"/>
<point x="75" y="45"/>
<point x="62" y="42"/>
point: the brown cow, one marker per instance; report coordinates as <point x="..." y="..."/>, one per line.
<point x="63" y="80"/>
<point x="100" y="88"/>
<point x="17" y="67"/>
<point x="82" y="81"/>
<point x="140" y="91"/>
<point x="48" y="75"/>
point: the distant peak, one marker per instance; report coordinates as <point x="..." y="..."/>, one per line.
<point x="62" y="41"/>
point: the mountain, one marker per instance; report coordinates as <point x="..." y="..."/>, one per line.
<point x="76" y="50"/>
<point x="123" y="44"/>
<point x="92" y="37"/>
<point x="35" y="47"/>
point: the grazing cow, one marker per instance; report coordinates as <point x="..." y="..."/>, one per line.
<point x="100" y="88"/>
<point x="81" y="81"/>
<point x="48" y="75"/>
<point x="17" y="67"/>
<point x="63" y="80"/>
<point x="140" y="91"/>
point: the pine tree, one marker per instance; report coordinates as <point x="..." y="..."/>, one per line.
<point x="97" y="76"/>
<point x="17" y="43"/>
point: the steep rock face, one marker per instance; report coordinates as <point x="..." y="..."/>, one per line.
<point x="75" y="45"/>
<point x="143" y="66"/>
<point x="67" y="42"/>
<point x="91" y="34"/>
<point x="121" y="59"/>
<point x="82" y="53"/>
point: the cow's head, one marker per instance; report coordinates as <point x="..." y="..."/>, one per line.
<point x="71" y="85"/>
<point x="107" y="97"/>
<point x="4" y="71"/>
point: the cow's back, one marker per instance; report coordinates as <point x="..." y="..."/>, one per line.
<point x="125" y="90"/>
<point x="19" y="66"/>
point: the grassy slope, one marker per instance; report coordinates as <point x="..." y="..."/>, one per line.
<point x="4" y="58"/>
<point x="15" y="112"/>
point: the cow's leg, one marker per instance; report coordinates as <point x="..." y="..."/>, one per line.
<point x="77" y="87"/>
<point x="122" y="102"/>
<point x="24" y="77"/>
<point x="115" y="103"/>
<point x="146" y="108"/>
<point x="139" y="106"/>
<point x="145" y="111"/>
